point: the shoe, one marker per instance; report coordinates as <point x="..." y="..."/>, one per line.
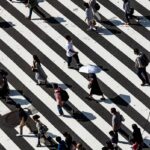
<point x="142" y="84"/>
<point x="38" y="145"/>
<point x="19" y="135"/>
<point x="69" y="67"/>
<point x="28" y="18"/>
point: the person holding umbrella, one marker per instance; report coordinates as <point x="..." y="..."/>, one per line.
<point x="93" y="83"/>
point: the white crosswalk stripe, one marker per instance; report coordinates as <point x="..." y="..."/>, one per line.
<point x="100" y="122"/>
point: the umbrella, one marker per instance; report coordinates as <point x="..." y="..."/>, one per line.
<point x="89" y="69"/>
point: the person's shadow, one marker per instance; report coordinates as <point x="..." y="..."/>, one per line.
<point x="5" y="24"/>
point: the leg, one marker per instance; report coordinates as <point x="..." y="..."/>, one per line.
<point x="145" y="75"/>
<point x="30" y="12"/>
<point x="60" y="110"/>
<point x="39" y="137"/>
<point x="75" y="56"/>
<point x="39" y="12"/>
<point x="22" y="124"/>
<point x="127" y="18"/>
<point x="69" y="60"/>
<point x="139" y="73"/>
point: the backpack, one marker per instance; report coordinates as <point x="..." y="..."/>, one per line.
<point x="64" y="95"/>
<point x="97" y="6"/>
<point x="144" y="60"/>
<point x="43" y="129"/>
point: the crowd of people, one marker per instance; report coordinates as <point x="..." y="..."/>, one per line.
<point x="61" y="96"/>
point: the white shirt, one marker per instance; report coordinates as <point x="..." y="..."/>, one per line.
<point x="68" y="48"/>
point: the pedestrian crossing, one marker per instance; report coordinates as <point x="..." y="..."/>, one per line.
<point x="111" y="48"/>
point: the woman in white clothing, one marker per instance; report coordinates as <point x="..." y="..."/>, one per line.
<point x="89" y="16"/>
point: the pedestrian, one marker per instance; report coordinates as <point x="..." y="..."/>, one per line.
<point x="141" y="63"/>
<point x="41" y="130"/>
<point x="137" y="136"/>
<point x="40" y="75"/>
<point x="23" y="117"/>
<point x="70" y="52"/>
<point x="89" y="17"/>
<point x="117" y="119"/>
<point x="61" y="100"/>
<point x="61" y="143"/>
<point x="4" y="88"/>
<point x="129" y="12"/>
<point x="94" y="86"/>
<point x="33" y="5"/>
<point x="68" y="140"/>
<point x="114" y="139"/>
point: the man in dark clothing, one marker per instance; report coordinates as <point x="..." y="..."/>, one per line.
<point x="129" y="12"/>
<point x="61" y="143"/>
<point x="141" y="68"/>
<point x="33" y="5"/>
<point x="23" y="117"/>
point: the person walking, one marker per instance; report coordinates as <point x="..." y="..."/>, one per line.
<point x="129" y="12"/>
<point x="94" y="86"/>
<point x="41" y="130"/>
<point x="70" y="52"/>
<point x="61" y="143"/>
<point x="117" y="119"/>
<point x="89" y="17"/>
<point x="62" y="97"/>
<point x="68" y="140"/>
<point x="33" y="5"/>
<point x="141" y="63"/>
<point x="23" y="117"/>
<point x="137" y="136"/>
<point x="40" y="75"/>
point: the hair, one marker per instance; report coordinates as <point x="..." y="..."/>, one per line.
<point x="35" y="57"/>
<point x="68" y="37"/>
<point x="136" y="51"/>
<point x="134" y="126"/>
<point x="65" y="134"/>
<point x="86" y="5"/>
<point x="36" y="117"/>
<point x="113" y="110"/>
<point x="58" y="139"/>
<point x="55" y="86"/>
<point x="111" y="133"/>
<point x="18" y="106"/>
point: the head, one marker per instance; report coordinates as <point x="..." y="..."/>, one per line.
<point x="113" y="110"/>
<point x="86" y="5"/>
<point x="58" y="139"/>
<point x="18" y="106"/>
<point x="36" y="117"/>
<point x="111" y="133"/>
<point x="136" y="51"/>
<point x="68" y="37"/>
<point x="35" y="57"/>
<point x="65" y="134"/>
<point x="134" y="126"/>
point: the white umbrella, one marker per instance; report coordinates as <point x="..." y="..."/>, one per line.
<point x="90" y="69"/>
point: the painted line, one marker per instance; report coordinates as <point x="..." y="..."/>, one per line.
<point x="137" y="105"/>
<point x="75" y="100"/>
<point x="49" y="102"/>
<point x="6" y="142"/>
<point x="144" y="22"/>
<point x="4" y="109"/>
